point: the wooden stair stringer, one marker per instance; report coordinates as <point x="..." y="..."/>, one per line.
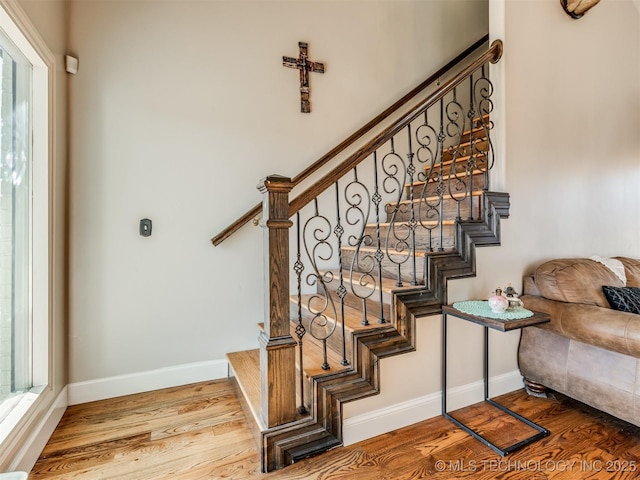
<point x="442" y="267"/>
<point x="284" y="445"/>
<point x="322" y="430"/>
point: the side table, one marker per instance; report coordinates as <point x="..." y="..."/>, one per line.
<point x="503" y="326"/>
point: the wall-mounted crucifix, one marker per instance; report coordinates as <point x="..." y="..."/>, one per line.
<point x="305" y="66"/>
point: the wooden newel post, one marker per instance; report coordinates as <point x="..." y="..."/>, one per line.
<point x="277" y="346"/>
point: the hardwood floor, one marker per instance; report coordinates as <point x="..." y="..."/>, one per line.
<point x="199" y="432"/>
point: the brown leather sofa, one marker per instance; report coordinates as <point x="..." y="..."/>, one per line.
<point x="588" y="351"/>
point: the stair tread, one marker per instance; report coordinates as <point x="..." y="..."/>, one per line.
<point x="401" y="223"/>
<point x="246" y="368"/>
<point x="419" y="253"/>
<point x="476" y="173"/>
<point x="466" y="143"/>
<point x="313" y="359"/>
<point x="463" y="157"/>
<point x="432" y="198"/>
<point x="478" y="131"/>
<point x="389" y="285"/>
<point x="372" y="250"/>
<point x="353" y="316"/>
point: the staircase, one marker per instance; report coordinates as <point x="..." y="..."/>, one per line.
<point x="374" y="244"/>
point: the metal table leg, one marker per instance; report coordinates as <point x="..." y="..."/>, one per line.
<point x="542" y="432"/>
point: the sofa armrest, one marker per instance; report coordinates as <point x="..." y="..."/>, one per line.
<point x="590" y="324"/>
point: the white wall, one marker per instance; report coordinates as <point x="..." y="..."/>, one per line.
<point x="571" y="130"/>
<point x="177" y="111"/>
<point x="180" y="107"/>
<point x="585" y="74"/>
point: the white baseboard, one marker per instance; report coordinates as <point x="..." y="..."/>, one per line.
<point x="30" y="451"/>
<point x="110" y="387"/>
<point x="370" y="424"/>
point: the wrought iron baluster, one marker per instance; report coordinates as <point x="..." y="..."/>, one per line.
<point x="362" y="282"/>
<point x="455" y="130"/>
<point x="483" y="90"/>
<point x="428" y="212"/>
<point x="341" y="290"/>
<point x="298" y="267"/>
<point x="379" y="255"/>
<point x="411" y="170"/>
<point x="472" y="164"/>
<point x="396" y="245"/>
<point x="316" y="234"/>
<point x="440" y="189"/>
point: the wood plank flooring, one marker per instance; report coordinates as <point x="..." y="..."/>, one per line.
<point x="199" y="432"/>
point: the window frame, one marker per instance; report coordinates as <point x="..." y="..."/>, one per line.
<point x="33" y="407"/>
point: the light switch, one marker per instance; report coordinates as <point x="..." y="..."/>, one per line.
<point x="145" y="227"/>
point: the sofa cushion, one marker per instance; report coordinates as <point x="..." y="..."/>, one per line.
<point x="575" y="280"/>
<point x="625" y="299"/>
<point x="599" y="326"/>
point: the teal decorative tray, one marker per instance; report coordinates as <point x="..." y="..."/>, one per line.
<point x="481" y="308"/>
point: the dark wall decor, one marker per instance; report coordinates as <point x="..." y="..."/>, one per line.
<point x="577" y="8"/>
<point x="304" y="65"/>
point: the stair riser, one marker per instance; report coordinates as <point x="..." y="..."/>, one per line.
<point x="401" y="231"/>
<point x="464" y="149"/>
<point x="371" y="295"/>
<point x="389" y="267"/>
<point x="422" y="212"/>
<point x="463" y="162"/>
<point x="334" y="340"/>
<point x="312" y="348"/>
<point x="478" y="130"/>
<point x="308" y="394"/>
<point x="432" y="187"/>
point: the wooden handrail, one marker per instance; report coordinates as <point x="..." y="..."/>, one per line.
<point x="315" y="166"/>
<point x="492" y="55"/>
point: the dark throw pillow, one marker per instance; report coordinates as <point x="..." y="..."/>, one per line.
<point x="625" y="299"/>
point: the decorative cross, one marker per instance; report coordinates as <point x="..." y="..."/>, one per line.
<point x="305" y="66"/>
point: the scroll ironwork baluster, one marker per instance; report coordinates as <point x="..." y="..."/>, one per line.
<point x="441" y="188"/>
<point x="396" y="245"/>
<point x="483" y="89"/>
<point x="472" y="162"/>
<point x="298" y="267"/>
<point x="457" y="187"/>
<point x="411" y="170"/>
<point x="341" y="290"/>
<point x="316" y="234"/>
<point x="427" y="138"/>
<point x="362" y="282"/>
<point x="379" y="255"/>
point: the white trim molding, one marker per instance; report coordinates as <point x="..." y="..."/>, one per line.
<point x="39" y="410"/>
<point x="30" y="450"/>
<point x="110" y="387"/>
<point x="370" y="424"/>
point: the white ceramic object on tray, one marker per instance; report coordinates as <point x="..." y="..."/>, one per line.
<point x="498" y="303"/>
